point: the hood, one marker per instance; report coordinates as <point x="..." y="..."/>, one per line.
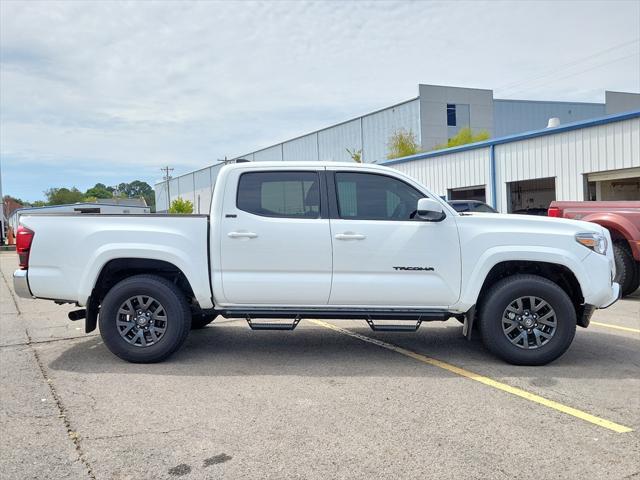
<point x="534" y="222"/>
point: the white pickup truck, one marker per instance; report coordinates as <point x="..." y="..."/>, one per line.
<point x="320" y="240"/>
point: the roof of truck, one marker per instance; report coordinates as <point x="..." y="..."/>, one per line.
<point x="298" y="164"/>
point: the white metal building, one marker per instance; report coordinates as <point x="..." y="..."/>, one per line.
<point x="597" y="159"/>
<point x="437" y="114"/>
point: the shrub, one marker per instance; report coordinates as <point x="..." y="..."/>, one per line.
<point x="181" y="206"/>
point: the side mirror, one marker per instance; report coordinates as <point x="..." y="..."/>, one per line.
<point x="429" y="209"/>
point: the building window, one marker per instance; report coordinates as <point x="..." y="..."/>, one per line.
<point x="451" y="115"/>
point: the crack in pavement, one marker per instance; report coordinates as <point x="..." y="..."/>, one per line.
<point x="37" y="342"/>
<point x="135" y="434"/>
<point x="62" y="411"/>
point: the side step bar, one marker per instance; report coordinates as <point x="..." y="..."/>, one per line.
<point x="396" y="327"/>
<point x="409" y="320"/>
<point x="338" y="314"/>
<point x="273" y="325"/>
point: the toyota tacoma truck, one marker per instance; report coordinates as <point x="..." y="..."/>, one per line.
<point x="622" y="220"/>
<point x="326" y="240"/>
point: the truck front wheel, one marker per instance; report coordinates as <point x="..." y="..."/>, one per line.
<point x="144" y="319"/>
<point x="626" y="269"/>
<point x="527" y="320"/>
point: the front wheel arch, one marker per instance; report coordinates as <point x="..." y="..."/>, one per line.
<point x="556" y="273"/>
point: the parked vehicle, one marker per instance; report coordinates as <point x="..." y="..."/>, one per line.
<point x="320" y="240"/>
<point x="622" y="221"/>
<point x="541" y="212"/>
<point x="469" y="206"/>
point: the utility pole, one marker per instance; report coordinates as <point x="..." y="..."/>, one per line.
<point x="167" y="177"/>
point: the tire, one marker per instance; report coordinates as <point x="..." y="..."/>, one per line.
<point x="636" y="280"/>
<point x="626" y="270"/>
<point x="542" y="346"/>
<point x="167" y="317"/>
<point x="201" y="320"/>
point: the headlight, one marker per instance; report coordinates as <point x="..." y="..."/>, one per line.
<point x="594" y="241"/>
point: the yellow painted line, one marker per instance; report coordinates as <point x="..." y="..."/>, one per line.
<point x="617" y="327"/>
<point x="587" y="417"/>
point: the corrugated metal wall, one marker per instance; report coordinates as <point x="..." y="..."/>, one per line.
<point x="457" y="170"/>
<point x="517" y="116"/>
<point x="334" y="141"/>
<point x="378" y="127"/>
<point x="369" y="133"/>
<point x="266" y="155"/>
<point x="568" y="156"/>
<point x="197" y="187"/>
<point x="303" y="149"/>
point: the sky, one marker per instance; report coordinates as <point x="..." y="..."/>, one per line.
<point x="110" y="92"/>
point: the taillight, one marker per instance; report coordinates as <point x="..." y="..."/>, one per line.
<point x="24" y="237"/>
<point x="554" y="212"/>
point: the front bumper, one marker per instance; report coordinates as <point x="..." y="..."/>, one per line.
<point x="615" y="296"/>
<point x="21" y="284"/>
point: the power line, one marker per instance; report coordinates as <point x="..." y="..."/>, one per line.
<point x="573" y="74"/>
<point x="553" y="71"/>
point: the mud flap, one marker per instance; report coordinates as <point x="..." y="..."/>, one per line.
<point x="469" y="318"/>
<point x="93" y="307"/>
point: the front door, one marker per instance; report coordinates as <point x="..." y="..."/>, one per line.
<point x="382" y="254"/>
<point x="275" y="239"/>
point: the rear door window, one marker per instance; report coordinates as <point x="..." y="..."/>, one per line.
<point x="286" y="194"/>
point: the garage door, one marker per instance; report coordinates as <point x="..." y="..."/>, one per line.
<point x="623" y="184"/>
<point x="531" y="197"/>
<point x="468" y="193"/>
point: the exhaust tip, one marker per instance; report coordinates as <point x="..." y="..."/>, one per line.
<point x="77" y="315"/>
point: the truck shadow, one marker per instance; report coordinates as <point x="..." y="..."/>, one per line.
<point x="231" y="349"/>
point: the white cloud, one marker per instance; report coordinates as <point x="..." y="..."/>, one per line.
<point x="148" y="83"/>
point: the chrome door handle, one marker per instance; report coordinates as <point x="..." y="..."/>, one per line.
<point x="350" y="236"/>
<point x="242" y="235"/>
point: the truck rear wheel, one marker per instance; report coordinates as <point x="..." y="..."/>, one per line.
<point x="527" y="320"/>
<point x="144" y="319"/>
<point x="626" y="269"/>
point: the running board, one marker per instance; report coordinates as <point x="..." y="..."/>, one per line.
<point x="338" y="313"/>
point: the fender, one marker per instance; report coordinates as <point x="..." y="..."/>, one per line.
<point x="472" y="283"/>
<point x="114" y="251"/>
<point x="629" y="229"/>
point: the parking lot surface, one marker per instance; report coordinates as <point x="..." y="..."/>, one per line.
<point x="328" y="400"/>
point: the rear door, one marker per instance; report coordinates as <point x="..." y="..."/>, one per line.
<point x="382" y="254"/>
<point x="275" y="238"/>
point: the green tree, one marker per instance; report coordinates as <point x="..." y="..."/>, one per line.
<point x="463" y="137"/>
<point x="402" y="144"/>
<point x="100" y="190"/>
<point x="181" y="206"/>
<point x="61" y="196"/>
<point x="39" y="203"/>
<point x="137" y="189"/>
<point x="356" y="155"/>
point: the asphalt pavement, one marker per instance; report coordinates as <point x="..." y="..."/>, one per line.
<point x="327" y="400"/>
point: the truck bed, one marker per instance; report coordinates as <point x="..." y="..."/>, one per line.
<point x="70" y="250"/>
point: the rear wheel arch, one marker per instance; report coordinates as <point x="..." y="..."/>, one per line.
<point x="116" y="270"/>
